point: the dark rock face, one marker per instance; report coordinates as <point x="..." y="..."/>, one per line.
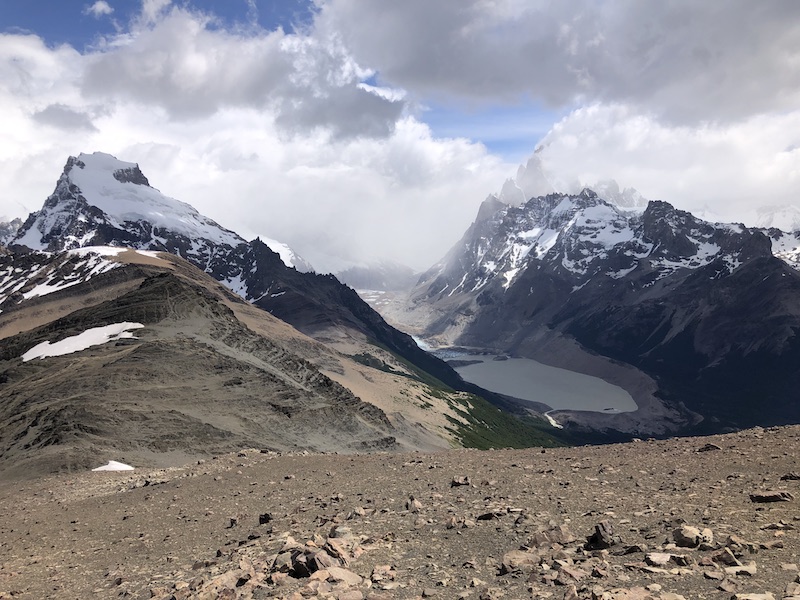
<point x="704" y="309"/>
<point x="131" y="175"/>
<point x="315" y="303"/>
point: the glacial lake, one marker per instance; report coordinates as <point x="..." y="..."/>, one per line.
<point x="527" y="379"/>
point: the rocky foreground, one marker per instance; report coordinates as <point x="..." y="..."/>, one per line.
<point x="685" y="518"/>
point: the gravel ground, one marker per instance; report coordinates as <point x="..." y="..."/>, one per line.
<point x="672" y="518"/>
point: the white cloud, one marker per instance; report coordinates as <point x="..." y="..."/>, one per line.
<point x="101" y="8"/>
<point x="153" y="10"/>
<point x="723" y="171"/>
<point x="64" y="117"/>
<point x="275" y="138"/>
<point x="190" y="69"/>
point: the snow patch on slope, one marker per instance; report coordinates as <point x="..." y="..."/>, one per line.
<point x="91" y="337"/>
<point x="786" y="246"/>
<point x="289" y="257"/>
<point x="113" y="465"/>
<point x="45" y="276"/>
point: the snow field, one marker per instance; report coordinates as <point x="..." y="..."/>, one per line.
<point x="91" y="337"/>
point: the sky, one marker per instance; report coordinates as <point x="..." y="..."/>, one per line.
<point x="356" y="130"/>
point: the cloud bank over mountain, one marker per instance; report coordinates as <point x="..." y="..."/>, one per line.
<point x="321" y="132"/>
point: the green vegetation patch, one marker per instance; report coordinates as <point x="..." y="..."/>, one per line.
<point x="489" y="427"/>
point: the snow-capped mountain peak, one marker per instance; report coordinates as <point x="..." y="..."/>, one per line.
<point x="587" y="240"/>
<point x="101" y="200"/>
<point x="97" y="191"/>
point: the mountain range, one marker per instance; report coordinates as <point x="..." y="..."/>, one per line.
<point x="134" y="327"/>
<point x="696" y="320"/>
<point x="699" y="321"/>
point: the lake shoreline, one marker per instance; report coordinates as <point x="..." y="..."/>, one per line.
<point x="533" y="381"/>
<point x="653" y="416"/>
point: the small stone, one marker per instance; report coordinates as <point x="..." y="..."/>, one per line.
<point x="413" y="505"/>
<point x="709" y="448"/>
<point x="283" y="562"/>
<point x="337" y="549"/>
<point x="714" y="575"/>
<point x="749" y="570"/>
<point x="464" y="480"/>
<point x="322" y="560"/>
<point x="603" y="537"/>
<point x="571" y="593"/>
<point x="771" y="496"/>
<point x="518" y="560"/>
<point x="342" y="532"/>
<point x="568" y="575"/>
<point x="739" y="545"/>
<point x="658" y="559"/>
<point x="792" y="589"/>
<point x="765" y="596"/>
<point x="338" y="574"/>
<point x="687" y="536"/>
<point x="383" y="573"/>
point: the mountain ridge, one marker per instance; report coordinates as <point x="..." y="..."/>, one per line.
<point x="118" y="207"/>
<point x="566" y="275"/>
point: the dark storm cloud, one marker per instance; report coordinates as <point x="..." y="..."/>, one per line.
<point x="64" y="117"/>
<point x="685" y="60"/>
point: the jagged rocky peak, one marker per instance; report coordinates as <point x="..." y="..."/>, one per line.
<point x="534" y="180"/>
<point x="628" y="198"/>
<point x="680" y="234"/>
<point x="8" y="229"/>
<point x="100" y="200"/>
<point x="489" y="208"/>
<point x="531" y="181"/>
<point x="581" y="239"/>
